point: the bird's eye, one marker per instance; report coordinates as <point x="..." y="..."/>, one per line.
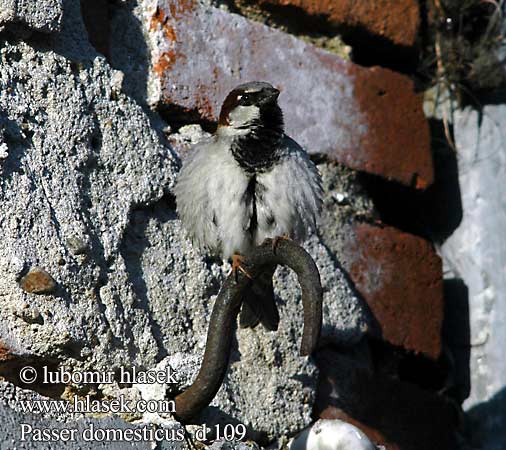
<point x="244" y="99"/>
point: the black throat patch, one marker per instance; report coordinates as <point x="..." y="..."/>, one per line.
<point x="258" y="150"/>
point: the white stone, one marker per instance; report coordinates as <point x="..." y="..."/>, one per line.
<point x="476" y="253"/>
<point x="4" y="150"/>
<point x="331" y="435"/>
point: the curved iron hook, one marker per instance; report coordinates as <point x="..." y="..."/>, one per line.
<point x="224" y="317"/>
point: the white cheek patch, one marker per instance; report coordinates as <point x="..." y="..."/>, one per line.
<point x="241" y="115"/>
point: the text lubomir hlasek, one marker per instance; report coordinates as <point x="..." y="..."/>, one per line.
<point x="123" y="376"/>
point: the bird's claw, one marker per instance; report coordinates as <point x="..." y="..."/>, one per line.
<point x="237" y="264"/>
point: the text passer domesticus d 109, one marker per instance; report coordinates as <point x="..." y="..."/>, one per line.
<point x="249" y="182"/>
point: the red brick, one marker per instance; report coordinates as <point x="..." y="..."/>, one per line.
<point x="400" y="277"/>
<point x="367" y="118"/>
<point x="395" y="20"/>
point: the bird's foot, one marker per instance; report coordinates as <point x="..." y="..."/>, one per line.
<point x="237" y="264"/>
<point x="277" y="239"/>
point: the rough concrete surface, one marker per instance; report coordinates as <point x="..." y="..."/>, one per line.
<point x="196" y="54"/>
<point x="227" y="445"/>
<point x="85" y="196"/>
<point x="40" y="15"/>
<point x="476" y="255"/>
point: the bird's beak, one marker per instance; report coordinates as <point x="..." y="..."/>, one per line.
<point x="269" y="95"/>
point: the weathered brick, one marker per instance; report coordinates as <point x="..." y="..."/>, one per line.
<point x="367" y="118"/>
<point x="400" y="277"/>
<point x="394" y="20"/>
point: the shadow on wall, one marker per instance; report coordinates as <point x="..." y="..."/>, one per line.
<point x="442" y="203"/>
<point x="433" y="214"/>
<point x="457" y="338"/>
<point x="17" y="140"/>
<point x="485" y="423"/>
<point x="133" y="247"/>
<point x="115" y="32"/>
<point x="97" y="17"/>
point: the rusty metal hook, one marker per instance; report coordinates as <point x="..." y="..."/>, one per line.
<point x="224" y="318"/>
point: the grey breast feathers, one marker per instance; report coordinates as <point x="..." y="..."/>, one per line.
<point x="212" y="205"/>
<point x="209" y="194"/>
<point x="290" y="195"/>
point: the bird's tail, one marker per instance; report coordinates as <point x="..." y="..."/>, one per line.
<point x="258" y="304"/>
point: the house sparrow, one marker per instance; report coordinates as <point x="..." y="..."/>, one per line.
<point x="247" y="183"/>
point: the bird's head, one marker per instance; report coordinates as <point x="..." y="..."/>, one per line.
<point x="251" y="107"/>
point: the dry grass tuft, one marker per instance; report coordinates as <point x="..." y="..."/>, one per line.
<point x="466" y="37"/>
